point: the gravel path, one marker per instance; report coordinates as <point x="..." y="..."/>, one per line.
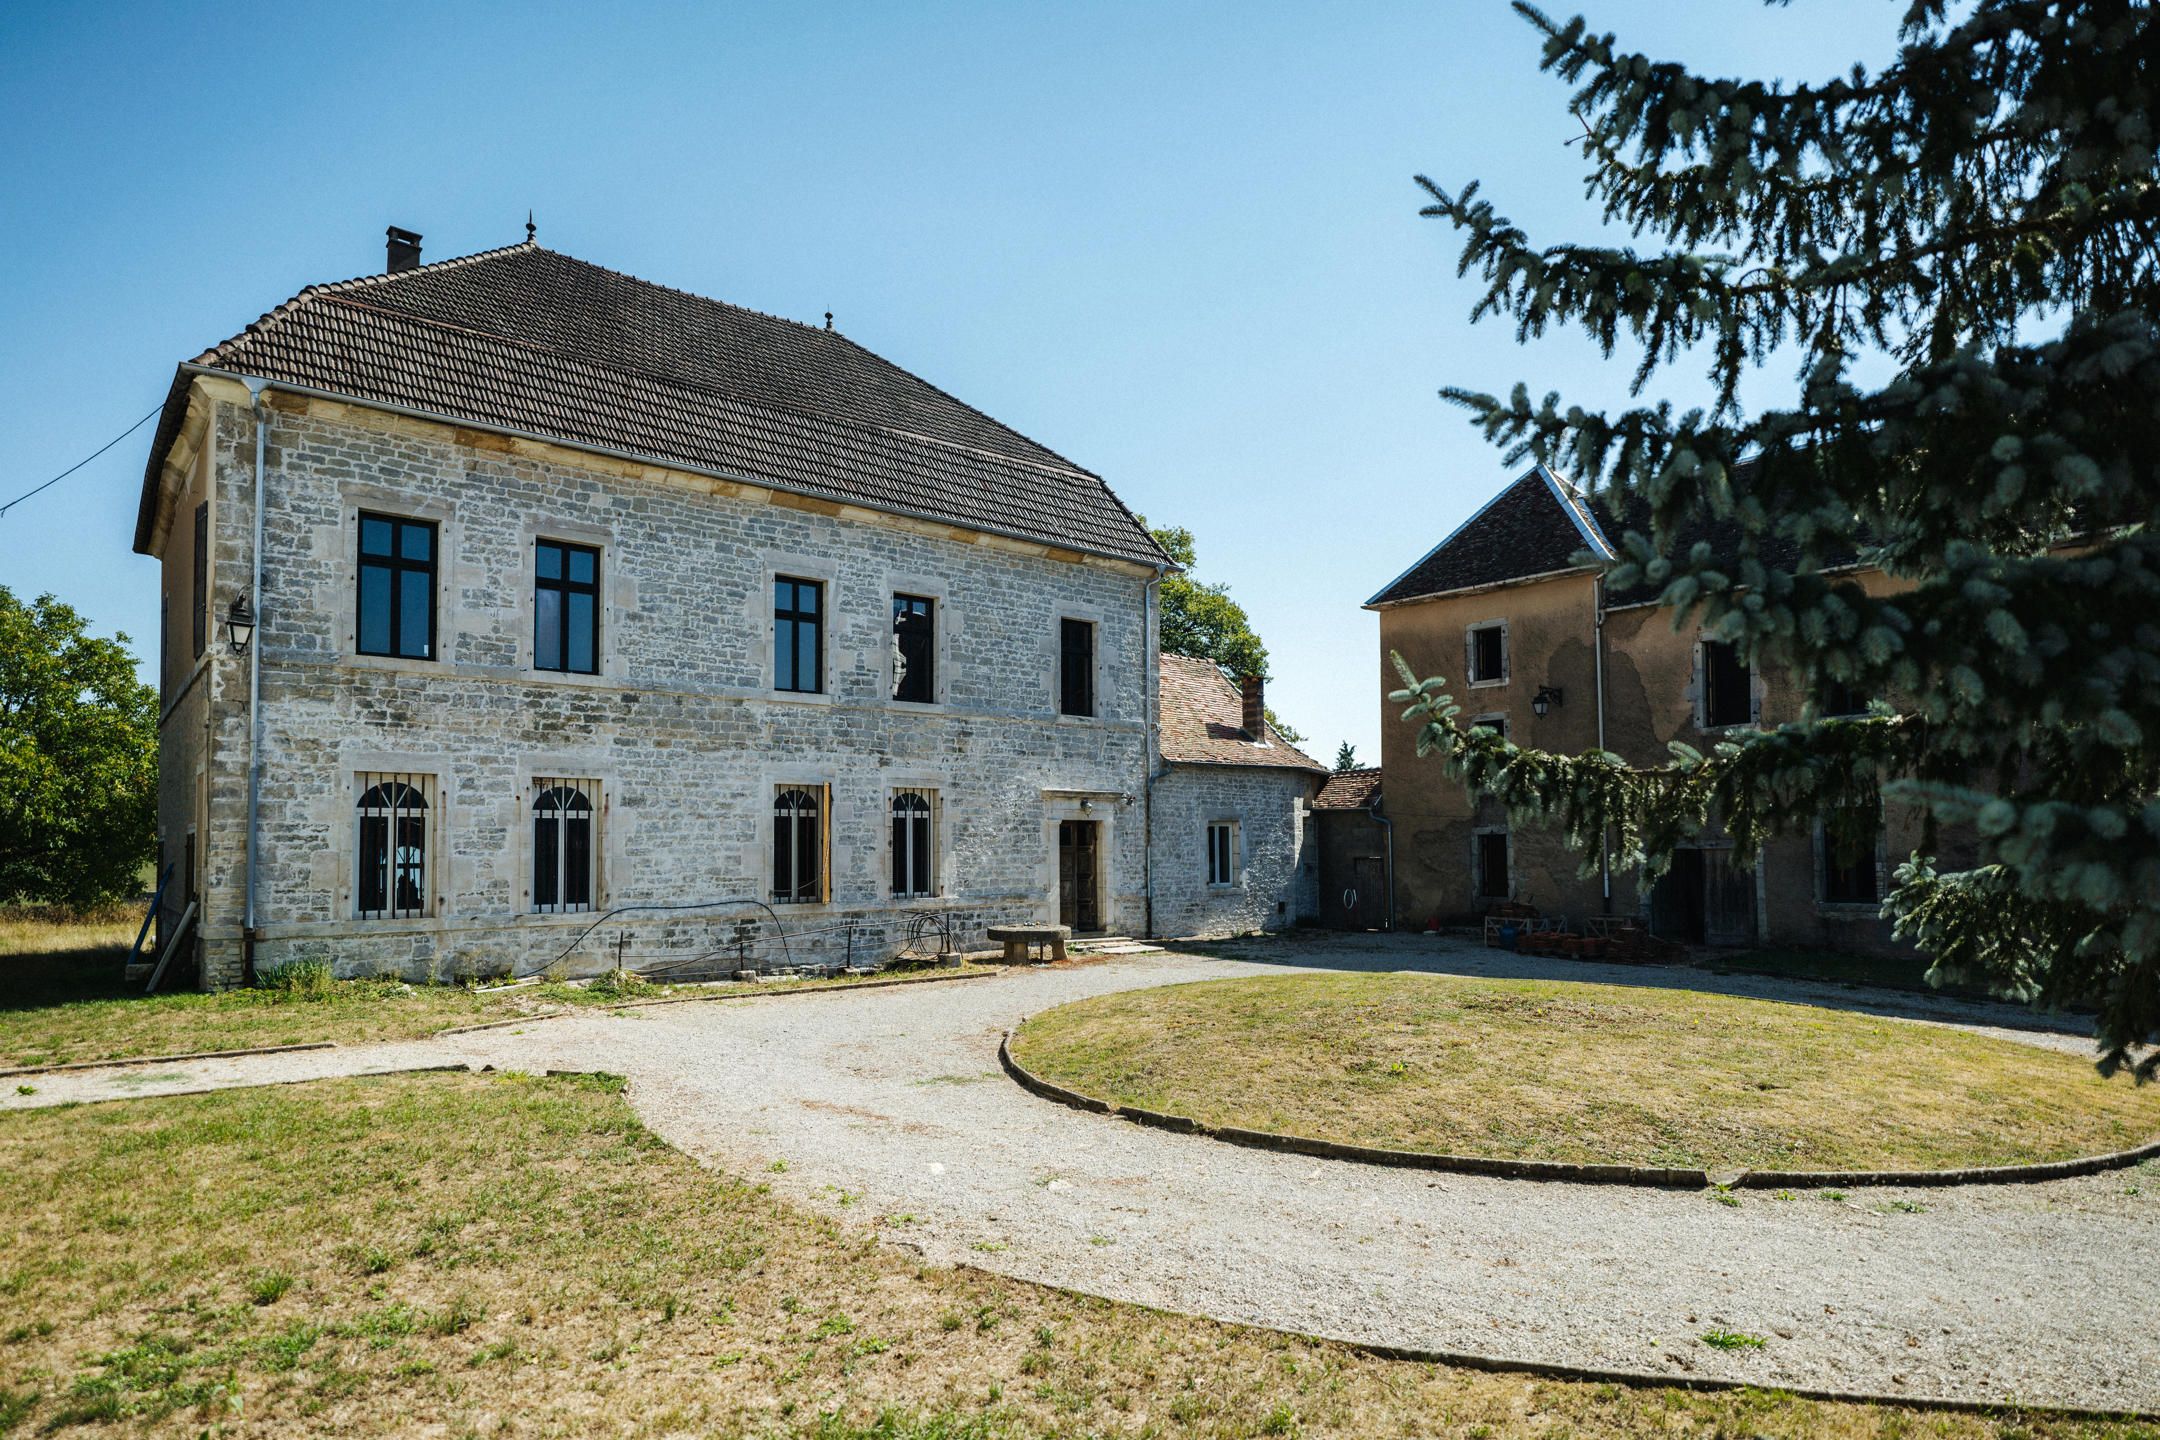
<point x="889" y="1110"/>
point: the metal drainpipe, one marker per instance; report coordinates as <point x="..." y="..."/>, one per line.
<point x="1597" y="651"/>
<point x="1151" y="706"/>
<point x="1372" y="808"/>
<point x="254" y="795"/>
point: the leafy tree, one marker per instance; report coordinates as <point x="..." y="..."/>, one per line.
<point x="78" y="758"/>
<point x="1977" y="221"/>
<point x="1204" y="622"/>
<point x="1345" y="757"/>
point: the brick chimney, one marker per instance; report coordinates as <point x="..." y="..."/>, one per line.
<point x="404" y="247"/>
<point x="1254" y="691"/>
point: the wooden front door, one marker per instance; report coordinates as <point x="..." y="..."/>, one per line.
<point x="1077" y="899"/>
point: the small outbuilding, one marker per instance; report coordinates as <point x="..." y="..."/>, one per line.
<point x="1354" y="849"/>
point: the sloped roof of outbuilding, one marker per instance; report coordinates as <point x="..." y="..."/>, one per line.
<point x="1349" y="790"/>
<point x="1203" y="716"/>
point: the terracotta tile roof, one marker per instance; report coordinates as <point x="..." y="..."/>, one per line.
<point x="1348" y="790"/>
<point x="1202" y="721"/>
<point x="528" y="339"/>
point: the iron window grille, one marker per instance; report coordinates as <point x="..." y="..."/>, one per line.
<point x="914" y="852"/>
<point x="914" y="623"/>
<point x="1221" y="853"/>
<point x="799" y="856"/>
<point x="798" y="635"/>
<point x="566" y="607"/>
<point x="1076" y="667"/>
<point x="397" y="587"/>
<point x="391" y="854"/>
<point x="565" y="824"/>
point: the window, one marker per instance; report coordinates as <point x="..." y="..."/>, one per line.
<point x="1839" y="698"/>
<point x="1488" y="655"/>
<point x="1222" y="852"/>
<point x="799" y="868"/>
<point x="202" y="577"/>
<point x="1495" y="723"/>
<point x="397" y="587"/>
<point x="1728" y="687"/>
<point x="914" y="859"/>
<point x="1848" y="844"/>
<point x="566" y="607"/>
<point x="391" y="856"/>
<point x="562" y="853"/>
<point x="798" y="635"/>
<point x="914" y="645"/>
<point x="1076" y="667"/>
<point x="1492" y="865"/>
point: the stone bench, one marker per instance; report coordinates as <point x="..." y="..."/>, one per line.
<point x="1017" y="939"/>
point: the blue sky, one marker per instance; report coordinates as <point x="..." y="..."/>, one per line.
<point x="1178" y="243"/>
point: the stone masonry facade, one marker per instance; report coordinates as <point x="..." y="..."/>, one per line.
<point x="1275" y="869"/>
<point x="681" y="729"/>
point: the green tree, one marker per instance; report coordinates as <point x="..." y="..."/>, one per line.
<point x="1202" y="620"/>
<point x="78" y="759"/>
<point x="1976" y="221"/>
<point x="1345" y="757"/>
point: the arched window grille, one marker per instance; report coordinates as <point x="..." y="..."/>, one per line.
<point x="914" y="857"/>
<point x="799" y="844"/>
<point x="563" y="849"/>
<point x="391" y="853"/>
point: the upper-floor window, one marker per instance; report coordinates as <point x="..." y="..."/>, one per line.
<point x="201" y="632"/>
<point x="566" y="607"/>
<point x="1495" y="723"/>
<point x="397" y="587"/>
<point x="798" y="836"/>
<point x="1488" y="654"/>
<point x="913" y="853"/>
<point x="1839" y="698"/>
<point x="1728" y="686"/>
<point x="391" y="849"/>
<point x="563" y="850"/>
<point x="914" y="631"/>
<point x="1221" y="852"/>
<point x="1076" y="667"/>
<point x="798" y="635"/>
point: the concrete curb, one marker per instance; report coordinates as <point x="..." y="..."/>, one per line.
<point x="1603" y="1375"/>
<point x="457" y="1065"/>
<point x="1582" y="1174"/>
<point x="167" y="1059"/>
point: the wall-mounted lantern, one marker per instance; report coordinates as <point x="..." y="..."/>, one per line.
<point x="239" y="625"/>
<point x="1547" y="697"/>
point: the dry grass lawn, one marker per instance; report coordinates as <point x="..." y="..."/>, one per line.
<point x="463" y="1255"/>
<point x="1552" y="1070"/>
<point x="61" y="1000"/>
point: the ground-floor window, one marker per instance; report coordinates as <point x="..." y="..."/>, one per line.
<point x="565" y="834"/>
<point x="798" y="839"/>
<point x="391" y="849"/>
<point x="1847" y="844"/>
<point x="914" y="852"/>
<point x="1490" y="859"/>
<point x="1221" y="852"/>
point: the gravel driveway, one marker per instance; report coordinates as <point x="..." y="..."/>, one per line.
<point x="889" y="1111"/>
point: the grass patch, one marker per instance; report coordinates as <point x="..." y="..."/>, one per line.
<point x="1554" y="1070"/>
<point x="1843" y="967"/>
<point x="61" y="999"/>
<point x="559" y="1270"/>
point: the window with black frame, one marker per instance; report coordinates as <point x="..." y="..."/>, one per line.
<point x="397" y="587"/>
<point x="798" y="845"/>
<point x="1076" y="667"/>
<point x="1221" y="853"/>
<point x="1850" y="839"/>
<point x="914" y="625"/>
<point x="798" y="635"/>
<point x="1728" y="686"/>
<point x="390" y="857"/>
<point x="566" y="607"/>
<point x="563" y="824"/>
<point x="913" y="854"/>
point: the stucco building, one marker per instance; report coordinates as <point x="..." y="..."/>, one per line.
<point x="1509" y="612"/>
<point x="565" y="592"/>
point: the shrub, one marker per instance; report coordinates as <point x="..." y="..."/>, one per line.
<point x="298" y="979"/>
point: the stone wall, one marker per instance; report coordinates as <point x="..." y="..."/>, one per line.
<point x="680" y="729"/>
<point x="1276" y="867"/>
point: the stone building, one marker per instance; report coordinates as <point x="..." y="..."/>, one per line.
<point x="563" y="595"/>
<point x="1355" y="844"/>
<point x="1535" y="647"/>
<point x="1230" y="834"/>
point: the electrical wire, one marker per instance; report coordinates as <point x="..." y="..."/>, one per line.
<point x="82" y="462"/>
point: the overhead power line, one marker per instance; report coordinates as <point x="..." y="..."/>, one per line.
<point x="82" y="462"/>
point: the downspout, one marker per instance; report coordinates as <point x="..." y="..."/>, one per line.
<point x="1372" y="808"/>
<point x="254" y="792"/>
<point x="1150" y="598"/>
<point x="1597" y="651"/>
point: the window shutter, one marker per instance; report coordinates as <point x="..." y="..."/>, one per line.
<point x="825" y="827"/>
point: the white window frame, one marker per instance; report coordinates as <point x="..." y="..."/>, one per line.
<point x="1231" y="858"/>
<point x="1507" y="655"/>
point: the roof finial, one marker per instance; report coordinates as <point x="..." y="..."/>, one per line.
<point x="530" y="228"/>
<point x="828" y="319"/>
